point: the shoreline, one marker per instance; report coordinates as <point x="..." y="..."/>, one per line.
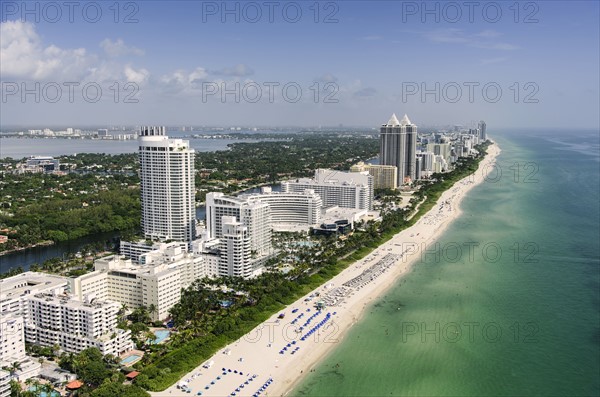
<point x="260" y="351"/>
<point x="45" y="243"/>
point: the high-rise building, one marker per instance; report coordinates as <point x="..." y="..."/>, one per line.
<point x="384" y="176"/>
<point x="255" y="215"/>
<point x="336" y="188"/>
<point x="440" y="149"/>
<point x="235" y="249"/>
<point x="427" y="159"/>
<point x="482" y="132"/>
<point x="243" y="228"/>
<point x="167" y="186"/>
<point x="398" y="147"/>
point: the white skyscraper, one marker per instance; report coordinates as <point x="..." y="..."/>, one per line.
<point x="243" y="229"/>
<point x="235" y="253"/>
<point x="167" y="186"/>
<point x="255" y="215"/>
<point x="398" y="147"/>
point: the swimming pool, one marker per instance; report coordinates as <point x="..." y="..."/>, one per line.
<point x="161" y="335"/>
<point x="54" y="393"/>
<point x="129" y="360"/>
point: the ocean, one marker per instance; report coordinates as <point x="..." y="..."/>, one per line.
<point x="507" y="304"/>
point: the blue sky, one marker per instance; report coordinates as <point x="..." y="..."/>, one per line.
<point x="176" y="59"/>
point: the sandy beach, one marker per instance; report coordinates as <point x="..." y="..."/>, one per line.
<point x="273" y="357"/>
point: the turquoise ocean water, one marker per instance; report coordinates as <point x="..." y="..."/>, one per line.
<point x="518" y="314"/>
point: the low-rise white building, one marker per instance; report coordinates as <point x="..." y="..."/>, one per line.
<point x="37" y="308"/>
<point x="15" y="290"/>
<point x="155" y="283"/>
<point x="75" y="325"/>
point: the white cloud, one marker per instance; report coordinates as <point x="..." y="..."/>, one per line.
<point x="139" y="76"/>
<point x="197" y="75"/>
<point x="24" y="56"/>
<point x="119" y="48"/>
<point x="182" y="82"/>
<point x="327" y="78"/>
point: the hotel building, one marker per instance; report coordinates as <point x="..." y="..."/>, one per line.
<point x="75" y="325"/>
<point x="155" y="282"/>
<point x="235" y="254"/>
<point x="41" y="306"/>
<point x="336" y="188"/>
<point x="167" y="186"/>
<point x="252" y="223"/>
<point x="254" y="214"/>
<point x="302" y="208"/>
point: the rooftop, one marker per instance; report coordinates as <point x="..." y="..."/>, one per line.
<point x="30" y="283"/>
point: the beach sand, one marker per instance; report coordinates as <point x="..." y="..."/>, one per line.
<point x="255" y="358"/>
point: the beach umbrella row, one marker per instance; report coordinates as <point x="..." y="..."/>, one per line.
<point x="263" y="388"/>
<point x="316" y="327"/>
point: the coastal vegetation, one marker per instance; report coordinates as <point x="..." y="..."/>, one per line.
<point x="100" y="375"/>
<point x="100" y="193"/>
<point x="204" y="325"/>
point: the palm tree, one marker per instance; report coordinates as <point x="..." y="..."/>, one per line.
<point x="152" y="309"/>
<point x="111" y="360"/>
<point x="150" y="337"/>
<point x="123" y="311"/>
<point x="55" y="349"/>
<point x="33" y="383"/>
<point x="14" y="368"/>
<point x="47" y="389"/>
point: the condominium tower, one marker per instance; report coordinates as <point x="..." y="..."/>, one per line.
<point x="482" y="131"/>
<point x="167" y="186"/>
<point x="398" y="147"/>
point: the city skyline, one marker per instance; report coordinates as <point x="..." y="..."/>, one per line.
<point x="331" y="54"/>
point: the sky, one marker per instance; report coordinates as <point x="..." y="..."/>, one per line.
<point x="300" y="63"/>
